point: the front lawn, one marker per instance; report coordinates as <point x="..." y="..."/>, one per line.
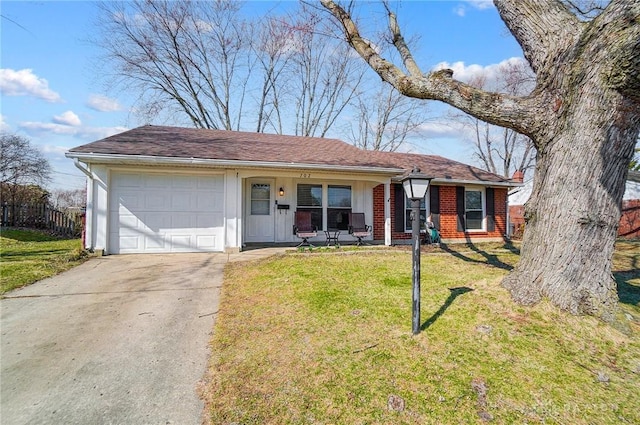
<point x="27" y="256"/>
<point x="325" y="338"/>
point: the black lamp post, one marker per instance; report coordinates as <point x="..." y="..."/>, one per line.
<point x="415" y="186"/>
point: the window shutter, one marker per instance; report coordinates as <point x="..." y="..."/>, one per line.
<point x="491" y="208"/>
<point x="460" y="207"/>
<point x="434" y="205"/>
<point x="398" y="208"/>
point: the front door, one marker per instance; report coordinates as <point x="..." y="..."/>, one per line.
<point x="260" y="222"/>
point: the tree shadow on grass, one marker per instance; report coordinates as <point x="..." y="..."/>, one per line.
<point x="491" y="259"/>
<point x="628" y="292"/>
<point x="455" y="292"/>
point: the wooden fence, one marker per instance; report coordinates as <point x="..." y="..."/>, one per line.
<point x="41" y="216"/>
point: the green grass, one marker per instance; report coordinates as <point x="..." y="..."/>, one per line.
<point x="325" y="338"/>
<point x="27" y="256"/>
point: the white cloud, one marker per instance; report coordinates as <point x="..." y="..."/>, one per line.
<point x="467" y="73"/>
<point x="67" y="118"/>
<point x="102" y="103"/>
<point x="481" y="4"/>
<point x="3" y="124"/>
<point x="461" y="9"/>
<point x="54" y="151"/>
<point x="440" y="129"/>
<point x="90" y="133"/>
<point x="25" y="83"/>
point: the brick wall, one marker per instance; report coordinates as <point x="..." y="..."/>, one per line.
<point x="448" y="215"/>
<point x="378" y="212"/>
<point x="630" y="220"/>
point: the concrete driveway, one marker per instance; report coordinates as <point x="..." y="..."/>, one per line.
<point x="117" y="340"/>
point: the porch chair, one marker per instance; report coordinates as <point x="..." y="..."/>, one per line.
<point x="303" y="228"/>
<point x="358" y="228"/>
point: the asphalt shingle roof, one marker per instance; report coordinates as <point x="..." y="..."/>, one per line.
<point x="177" y="142"/>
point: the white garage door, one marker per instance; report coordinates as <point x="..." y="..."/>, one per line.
<point x="166" y="213"/>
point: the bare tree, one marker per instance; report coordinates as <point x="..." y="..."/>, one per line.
<point x="205" y="62"/>
<point x="22" y="167"/>
<point x="187" y="55"/>
<point x="74" y="199"/>
<point x="501" y="150"/>
<point x="273" y="49"/>
<point x="325" y="75"/>
<point x="384" y="119"/>
<point x="583" y="117"/>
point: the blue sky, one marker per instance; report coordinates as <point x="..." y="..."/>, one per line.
<point x="51" y="93"/>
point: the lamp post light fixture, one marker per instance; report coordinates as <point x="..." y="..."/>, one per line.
<point x="415" y="185"/>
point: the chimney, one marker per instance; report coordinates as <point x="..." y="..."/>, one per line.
<point x="518" y="177"/>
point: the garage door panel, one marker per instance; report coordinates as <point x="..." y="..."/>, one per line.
<point x="155" y="242"/>
<point x="125" y="222"/>
<point x="182" y="201"/>
<point x="156" y="181"/>
<point x="129" y="243"/>
<point x="166" y="213"/>
<point x="157" y="202"/>
<point x="125" y="180"/>
<point x="181" y="243"/>
<point x="206" y="242"/>
<point x="183" y="222"/>
<point x="156" y="222"/>
<point x="129" y="201"/>
<point x="183" y="182"/>
<point x="209" y="203"/>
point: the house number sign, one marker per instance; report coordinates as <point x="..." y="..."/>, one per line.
<point x="305" y="175"/>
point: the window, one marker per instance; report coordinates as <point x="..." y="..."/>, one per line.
<point x="310" y="199"/>
<point x="423" y="211"/>
<point x="338" y="207"/>
<point x="260" y="199"/>
<point x="473" y="209"/>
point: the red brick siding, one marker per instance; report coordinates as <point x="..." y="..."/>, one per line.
<point x="378" y="212"/>
<point x="448" y="215"/>
<point x="630" y="220"/>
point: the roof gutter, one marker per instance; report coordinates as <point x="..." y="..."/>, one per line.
<point x="82" y="168"/>
<point x="448" y="181"/>
<point x="162" y="160"/>
<point x="476" y="182"/>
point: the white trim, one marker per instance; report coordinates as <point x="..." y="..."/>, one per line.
<point x="483" y="200"/>
<point x="161" y="160"/>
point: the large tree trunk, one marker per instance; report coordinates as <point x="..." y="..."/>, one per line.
<point x="583" y="117"/>
<point x="584" y="148"/>
<point x="573" y="214"/>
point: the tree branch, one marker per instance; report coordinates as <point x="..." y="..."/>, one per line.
<point x="495" y="108"/>
<point x="541" y="27"/>
<point x="401" y="45"/>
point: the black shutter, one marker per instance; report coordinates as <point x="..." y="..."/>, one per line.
<point x="398" y="208"/>
<point x="434" y="205"/>
<point x="491" y="209"/>
<point x="460" y="207"/>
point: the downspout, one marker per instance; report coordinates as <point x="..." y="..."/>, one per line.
<point x="88" y="220"/>
<point x="84" y="170"/>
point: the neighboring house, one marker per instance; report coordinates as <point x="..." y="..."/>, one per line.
<point x="168" y="189"/>
<point x="629" y="227"/>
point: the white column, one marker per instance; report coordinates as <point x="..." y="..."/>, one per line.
<point x="100" y="208"/>
<point x="387" y="214"/>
